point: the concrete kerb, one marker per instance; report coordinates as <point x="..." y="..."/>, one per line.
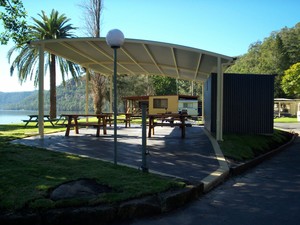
<point x="222" y="173"/>
<point x="239" y="169"/>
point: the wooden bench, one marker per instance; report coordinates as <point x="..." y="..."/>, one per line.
<point x="168" y="120"/>
<point x="126" y="121"/>
<point x="73" y="122"/>
<point x="89" y="124"/>
<point x="172" y="124"/>
<point x="30" y="121"/>
<point x="37" y="121"/>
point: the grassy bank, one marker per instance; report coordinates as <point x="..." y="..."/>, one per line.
<point x="241" y="147"/>
<point x="28" y="174"/>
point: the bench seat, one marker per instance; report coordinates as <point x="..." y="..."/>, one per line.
<point x="28" y="121"/>
<point x="85" y="124"/>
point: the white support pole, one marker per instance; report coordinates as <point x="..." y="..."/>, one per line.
<point x="41" y="91"/>
<point x="219" y="122"/>
<point x="203" y="116"/>
<point x="87" y="79"/>
<point x="192" y="88"/>
<point x="279" y="109"/>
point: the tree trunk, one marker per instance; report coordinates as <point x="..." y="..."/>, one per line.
<point x="52" y="87"/>
<point x="99" y="88"/>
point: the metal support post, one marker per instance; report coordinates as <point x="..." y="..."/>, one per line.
<point x="144" y="138"/>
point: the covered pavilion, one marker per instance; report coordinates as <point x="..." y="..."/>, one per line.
<point x="137" y="57"/>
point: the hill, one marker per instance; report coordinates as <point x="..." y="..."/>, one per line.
<point x="10" y="98"/>
<point x="70" y="97"/>
<point x="274" y="55"/>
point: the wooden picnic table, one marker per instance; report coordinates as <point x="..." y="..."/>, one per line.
<point x="126" y="120"/>
<point x="35" y="119"/>
<point x="73" y="122"/>
<point x="168" y="119"/>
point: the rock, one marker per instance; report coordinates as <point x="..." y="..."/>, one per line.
<point x="82" y="188"/>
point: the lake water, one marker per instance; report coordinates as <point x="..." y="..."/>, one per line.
<point x="16" y="116"/>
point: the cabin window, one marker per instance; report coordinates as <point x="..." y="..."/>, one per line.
<point x="160" y="103"/>
<point x="187" y="105"/>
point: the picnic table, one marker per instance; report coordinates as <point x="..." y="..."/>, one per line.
<point x="35" y="119"/>
<point x="168" y="119"/>
<point x="73" y="122"/>
<point x="126" y="120"/>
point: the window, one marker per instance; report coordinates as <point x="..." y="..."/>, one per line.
<point x="187" y="105"/>
<point x="160" y="103"/>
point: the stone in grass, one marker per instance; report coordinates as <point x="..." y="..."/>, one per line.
<point x="81" y="188"/>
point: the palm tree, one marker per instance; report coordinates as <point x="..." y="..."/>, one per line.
<point x="26" y="62"/>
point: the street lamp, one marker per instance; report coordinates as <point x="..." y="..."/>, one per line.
<point x="115" y="39"/>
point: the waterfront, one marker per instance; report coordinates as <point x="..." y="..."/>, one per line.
<point x="14" y="116"/>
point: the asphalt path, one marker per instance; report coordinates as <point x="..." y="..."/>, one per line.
<point x="266" y="194"/>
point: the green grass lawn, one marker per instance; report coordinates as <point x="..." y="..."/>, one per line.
<point x="286" y="120"/>
<point x="28" y="174"/>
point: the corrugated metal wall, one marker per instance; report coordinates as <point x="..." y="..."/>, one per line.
<point x="248" y="103"/>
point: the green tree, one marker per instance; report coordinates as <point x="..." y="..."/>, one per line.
<point x="272" y="56"/>
<point x="54" y="27"/>
<point x="92" y="16"/>
<point x="13" y="18"/>
<point x="291" y="81"/>
<point x="164" y="85"/>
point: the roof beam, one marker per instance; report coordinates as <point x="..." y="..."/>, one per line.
<point x="84" y="55"/>
<point x="175" y="62"/>
<point x="134" y="60"/>
<point x="152" y="58"/>
<point x="108" y="56"/>
<point x="198" y="66"/>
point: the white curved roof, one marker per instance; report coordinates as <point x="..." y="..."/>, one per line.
<point x="137" y="57"/>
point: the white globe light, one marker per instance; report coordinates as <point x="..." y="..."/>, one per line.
<point x="115" y="38"/>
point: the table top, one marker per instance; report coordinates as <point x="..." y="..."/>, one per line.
<point x="163" y="115"/>
<point x="87" y="115"/>
<point x="36" y="115"/>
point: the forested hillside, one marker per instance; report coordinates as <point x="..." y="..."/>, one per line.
<point x="274" y="55"/>
<point x="71" y="97"/>
<point x="7" y="98"/>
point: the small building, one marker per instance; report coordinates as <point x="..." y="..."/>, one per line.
<point x="284" y="107"/>
<point x="133" y="104"/>
<point x="162" y="104"/>
<point x="171" y="103"/>
<point x="188" y="105"/>
<point x="248" y="103"/>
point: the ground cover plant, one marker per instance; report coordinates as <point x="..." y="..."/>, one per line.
<point x="29" y="174"/>
<point x="241" y="147"/>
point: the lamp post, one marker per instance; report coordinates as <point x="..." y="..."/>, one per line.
<point x="115" y="39"/>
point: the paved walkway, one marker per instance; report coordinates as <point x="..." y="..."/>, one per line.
<point x="194" y="158"/>
<point x="266" y="194"/>
<point x="291" y="127"/>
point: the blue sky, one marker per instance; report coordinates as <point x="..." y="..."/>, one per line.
<point x="224" y="26"/>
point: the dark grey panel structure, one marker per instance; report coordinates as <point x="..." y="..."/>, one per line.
<point x="247" y="103"/>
